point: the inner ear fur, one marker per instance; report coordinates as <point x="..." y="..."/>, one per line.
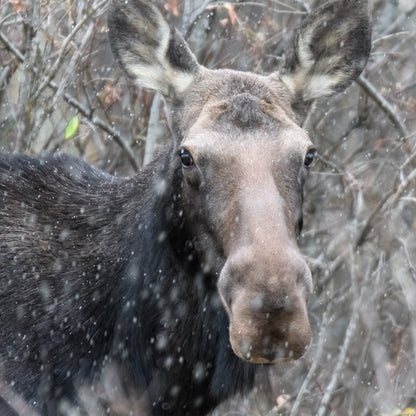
<point x="151" y="52"/>
<point x="331" y="49"/>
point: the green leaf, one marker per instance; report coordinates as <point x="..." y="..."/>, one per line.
<point x="72" y="127"/>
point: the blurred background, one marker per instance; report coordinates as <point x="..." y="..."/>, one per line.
<point x="61" y="91"/>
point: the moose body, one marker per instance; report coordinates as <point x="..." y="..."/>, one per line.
<point x="180" y="280"/>
<point x="82" y="304"/>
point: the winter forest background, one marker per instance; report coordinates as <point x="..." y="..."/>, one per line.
<point x="61" y="91"/>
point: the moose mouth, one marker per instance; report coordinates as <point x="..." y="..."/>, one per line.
<point x="270" y="355"/>
<point x="259" y="336"/>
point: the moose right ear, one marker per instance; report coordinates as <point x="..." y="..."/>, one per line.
<point x="152" y="53"/>
<point x="331" y="50"/>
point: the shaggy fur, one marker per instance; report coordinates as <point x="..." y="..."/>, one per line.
<point x="96" y="270"/>
<point x="164" y="289"/>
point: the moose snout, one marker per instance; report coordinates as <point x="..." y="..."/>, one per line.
<point x="278" y="329"/>
<point x="268" y="313"/>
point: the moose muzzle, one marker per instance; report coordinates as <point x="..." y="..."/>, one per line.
<point x="266" y="305"/>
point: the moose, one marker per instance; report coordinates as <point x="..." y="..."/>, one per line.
<point x="180" y="282"/>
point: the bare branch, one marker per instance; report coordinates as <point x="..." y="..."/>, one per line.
<point x="69" y="72"/>
<point x="11" y="47"/>
<point x="399" y="21"/>
<point x="86" y="112"/>
<point x="3" y="75"/>
<point x="314" y="367"/>
<point x="336" y="374"/>
<point x="369" y="88"/>
<point x="63" y="50"/>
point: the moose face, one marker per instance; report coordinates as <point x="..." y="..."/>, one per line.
<point x="244" y="156"/>
<point x="244" y="161"/>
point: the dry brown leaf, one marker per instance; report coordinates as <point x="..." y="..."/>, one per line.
<point x="231" y="13"/>
<point x="172" y="6"/>
<point x="111" y="94"/>
<point x="18" y="6"/>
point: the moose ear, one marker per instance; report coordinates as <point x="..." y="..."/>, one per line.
<point x="331" y="49"/>
<point x="151" y="52"/>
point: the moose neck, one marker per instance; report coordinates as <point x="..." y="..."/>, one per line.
<point x="173" y="294"/>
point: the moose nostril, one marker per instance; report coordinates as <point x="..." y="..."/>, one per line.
<point x="284" y="304"/>
<point x="267" y="341"/>
<point x="257" y="302"/>
<point x="271" y="305"/>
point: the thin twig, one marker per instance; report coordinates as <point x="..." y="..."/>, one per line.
<point x="70" y="69"/>
<point x="24" y="123"/>
<point x="314" y="366"/>
<point x="387" y="202"/>
<point x="408" y="288"/>
<point x="333" y="267"/>
<point x="3" y="75"/>
<point x="399" y="21"/>
<point x="117" y="138"/>
<point x="388" y="37"/>
<point x="256" y="4"/>
<point x="290" y="6"/>
<point x="63" y="50"/>
<point x="11" y="47"/>
<point x="349" y="177"/>
<point x="410" y="265"/>
<point x="68" y="73"/>
<point x="86" y="112"/>
<point x="195" y="16"/>
<point x="209" y="4"/>
<point x="412" y="156"/>
<point x="336" y="374"/>
<point x="369" y="222"/>
<point x="369" y="88"/>
<point x="402" y="187"/>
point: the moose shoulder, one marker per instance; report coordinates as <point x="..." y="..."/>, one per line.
<point x="178" y="281"/>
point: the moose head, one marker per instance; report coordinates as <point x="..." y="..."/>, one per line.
<point x="242" y="157"/>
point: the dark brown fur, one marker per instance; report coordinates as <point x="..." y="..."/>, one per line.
<point x="178" y="281"/>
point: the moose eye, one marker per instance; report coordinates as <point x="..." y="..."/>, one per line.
<point x="309" y="157"/>
<point x="186" y="158"/>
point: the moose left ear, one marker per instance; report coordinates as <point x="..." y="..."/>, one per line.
<point x="331" y="50"/>
<point x="150" y="51"/>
